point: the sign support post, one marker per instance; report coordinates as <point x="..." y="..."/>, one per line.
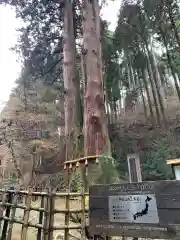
<point x="175" y="166"/>
<point x="134" y="169"/>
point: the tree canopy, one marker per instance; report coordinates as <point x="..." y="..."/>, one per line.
<point x="141" y="77"/>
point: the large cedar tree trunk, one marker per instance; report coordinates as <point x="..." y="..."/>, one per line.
<point x="69" y="79"/>
<point x="95" y="131"/>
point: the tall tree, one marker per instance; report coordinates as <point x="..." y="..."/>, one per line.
<point x="95" y="131"/>
<point x="69" y="75"/>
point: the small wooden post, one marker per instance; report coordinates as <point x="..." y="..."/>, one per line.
<point x="26" y="215"/>
<point x="51" y="217"/>
<point x="175" y="166"/>
<point x="4" y="199"/>
<point x="13" y="213"/>
<point x="40" y="219"/>
<point x="46" y="224"/>
<point x="67" y="204"/>
<point x="8" y="209"/>
<point x="83" y="169"/>
<point x="134" y="169"/>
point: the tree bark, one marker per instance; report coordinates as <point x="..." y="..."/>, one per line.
<point x="157" y="81"/>
<point x="153" y="89"/>
<point x="95" y="132"/>
<point x="142" y="95"/>
<point x="171" y="63"/>
<point x="131" y="71"/>
<point x="96" y="15"/>
<point x="115" y="110"/>
<point x="145" y="81"/>
<point x="176" y="33"/>
<point x="69" y="76"/>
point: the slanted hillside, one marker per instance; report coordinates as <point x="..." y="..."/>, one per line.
<point x="133" y="133"/>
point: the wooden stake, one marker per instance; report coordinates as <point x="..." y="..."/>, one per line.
<point x="40" y="219"/>
<point x="8" y="209"/>
<point x="46" y="217"/>
<point x="12" y="216"/>
<point x="51" y="222"/>
<point x="26" y="215"/>
<point x="4" y="199"/>
<point x="134" y="169"/>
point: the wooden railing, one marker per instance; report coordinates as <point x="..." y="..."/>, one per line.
<point x="47" y="223"/>
<point x="59" y="215"/>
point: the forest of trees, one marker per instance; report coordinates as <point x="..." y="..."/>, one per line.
<point x="82" y="85"/>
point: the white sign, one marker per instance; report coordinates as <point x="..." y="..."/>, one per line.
<point x="133" y="209"/>
<point x="177" y="172"/>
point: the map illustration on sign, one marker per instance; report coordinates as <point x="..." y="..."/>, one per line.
<point x="144" y="211"/>
<point x="133" y="209"/>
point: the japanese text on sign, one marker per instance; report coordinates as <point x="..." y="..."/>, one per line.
<point x="133" y="209"/>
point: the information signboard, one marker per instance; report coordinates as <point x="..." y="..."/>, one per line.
<point x="147" y="209"/>
<point x="133" y="209"/>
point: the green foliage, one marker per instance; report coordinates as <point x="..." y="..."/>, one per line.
<point x="56" y="180"/>
<point x="10" y="182"/>
<point x="154" y="160"/>
<point x="159" y="148"/>
<point x="103" y="173"/>
<point x="122" y="144"/>
<point x="176" y="55"/>
<point x="40" y="39"/>
<point x="108" y="173"/>
<point x="76" y="181"/>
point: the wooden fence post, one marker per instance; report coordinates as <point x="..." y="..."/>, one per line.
<point x="134" y="169"/>
<point x="83" y="189"/>
<point x="12" y="216"/>
<point x="67" y="205"/>
<point x="51" y="220"/>
<point x="26" y="215"/>
<point x="4" y="199"/>
<point x="47" y="208"/>
<point x="40" y="219"/>
<point x="7" y="214"/>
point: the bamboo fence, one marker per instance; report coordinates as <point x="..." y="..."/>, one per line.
<point x="10" y="204"/>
